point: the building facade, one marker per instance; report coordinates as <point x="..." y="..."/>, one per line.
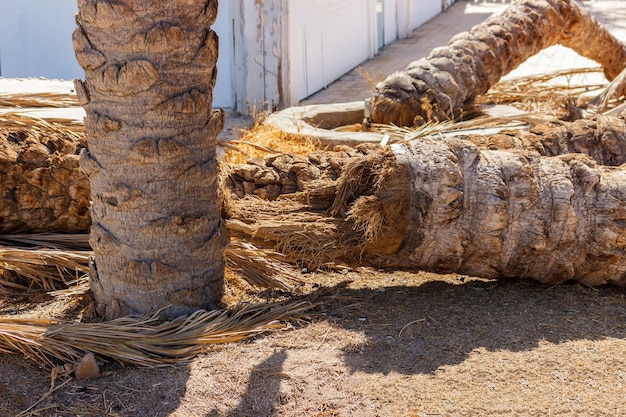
<point x="273" y="53"/>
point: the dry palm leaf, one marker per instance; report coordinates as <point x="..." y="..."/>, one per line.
<point x="61" y="241"/>
<point x="540" y="87"/>
<point x="39" y="100"/>
<point x="61" y="269"/>
<point x="260" y="267"/>
<point x="447" y="127"/>
<point x="45" y="269"/>
<point x="14" y="120"/>
<point x="145" y="341"/>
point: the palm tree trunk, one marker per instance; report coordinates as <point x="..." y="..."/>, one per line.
<point x="447" y="206"/>
<point x="440" y="86"/>
<point x="490" y="206"/>
<point x="157" y="233"/>
<point x="42" y="187"/>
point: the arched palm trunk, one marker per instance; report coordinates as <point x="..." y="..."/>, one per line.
<point x="439" y="86"/>
<point x="156" y="228"/>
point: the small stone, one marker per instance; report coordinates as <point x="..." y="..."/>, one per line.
<point x="87" y="367"/>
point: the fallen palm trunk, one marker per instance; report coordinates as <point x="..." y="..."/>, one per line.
<point x="444" y="205"/>
<point x="603" y="138"/>
<point x="440" y="86"/>
<point x="42" y="187"/>
<point x="377" y="206"/>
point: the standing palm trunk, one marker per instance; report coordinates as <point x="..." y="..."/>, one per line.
<point x="156" y="229"/>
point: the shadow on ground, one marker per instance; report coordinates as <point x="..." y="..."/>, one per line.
<point x="423" y="328"/>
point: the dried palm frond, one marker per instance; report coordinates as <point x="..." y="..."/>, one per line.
<point x="398" y="133"/>
<point x="263" y="139"/>
<point x="39" y="99"/>
<point x="145" y="341"/>
<point x="543" y="92"/>
<point x="61" y="241"/>
<point x="62" y="268"/>
<point x="45" y="269"/>
<point x="13" y="120"/>
<point x="260" y="267"/>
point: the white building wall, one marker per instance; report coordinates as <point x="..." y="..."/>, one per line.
<point x="391" y="21"/>
<point x="36" y="39"/>
<point x="328" y="38"/>
<point x="424" y="10"/>
<point x="273" y="53"/>
<point x="223" y="93"/>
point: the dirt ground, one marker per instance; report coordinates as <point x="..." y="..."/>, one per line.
<point x="385" y="344"/>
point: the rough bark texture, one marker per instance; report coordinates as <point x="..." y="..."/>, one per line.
<point x="445" y="205"/>
<point x="504" y="205"/>
<point x="510" y="214"/>
<point x="42" y="188"/>
<point x="449" y="79"/>
<point x="157" y="233"/>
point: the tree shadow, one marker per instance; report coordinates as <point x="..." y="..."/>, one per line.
<point x="120" y="391"/>
<point x="419" y="329"/>
<point x="263" y="389"/>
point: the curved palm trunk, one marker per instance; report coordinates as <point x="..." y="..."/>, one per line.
<point x="440" y="86"/>
<point x="157" y="233"/>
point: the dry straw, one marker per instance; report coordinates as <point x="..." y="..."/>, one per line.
<point x="145" y="341"/>
<point x="46" y="269"/>
<point x="63" y="268"/>
<point x="40" y="99"/>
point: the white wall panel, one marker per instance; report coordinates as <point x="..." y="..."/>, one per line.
<point x="327" y="39"/>
<point x="424" y="10"/>
<point x="36" y="39"/>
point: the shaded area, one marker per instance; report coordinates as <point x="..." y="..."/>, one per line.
<point x="116" y="393"/>
<point x="446" y="322"/>
<point x="263" y="390"/>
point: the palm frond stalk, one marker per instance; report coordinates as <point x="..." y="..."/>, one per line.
<point x="145" y="341"/>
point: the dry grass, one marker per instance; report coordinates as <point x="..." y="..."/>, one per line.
<point x="261" y="268"/>
<point x="62" y="271"/>
<point x="145" y="341"/>
<point x="48" y="126"/>
<point x="262" y="140"/>
<point x="548" y="93"/>
<point x="41" y="269"/>
<point x="38" y="100"/>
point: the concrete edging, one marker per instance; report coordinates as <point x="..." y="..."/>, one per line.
<point x="318" y="120"/>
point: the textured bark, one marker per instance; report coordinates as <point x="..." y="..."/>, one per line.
<point x="505" y="205"/>
<point x="440" y="86"/>
<point x="157" y="233"/>
<point x="42" y="188"/>
<point x="508" y="214"/>
<point x="445" y="205"/>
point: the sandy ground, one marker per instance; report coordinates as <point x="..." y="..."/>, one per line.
<point x="384" y="344"/>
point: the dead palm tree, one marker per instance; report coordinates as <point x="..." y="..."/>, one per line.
<point x="440" y="86"/>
